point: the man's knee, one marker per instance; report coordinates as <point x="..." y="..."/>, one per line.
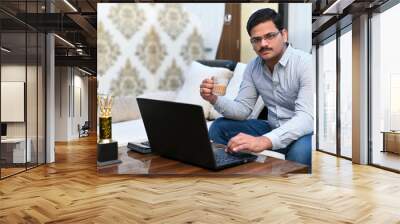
<point x="301" y="150"/>
<point x="217" y="124"/>
<point x="223" y="129"/>
<point x="216" y="131"/>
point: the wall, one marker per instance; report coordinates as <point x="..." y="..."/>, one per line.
<point x="314" y="61"/>
<point x="61" y="103"/>
<point x="360" y="90"/>
<point x="152" y="48"/>
<point x="299" y="26"/>
<point x="50" y="92"/>
<point x="92" y="106"/>
<point x="80" y="104"/>
<point x="33" y="127"/>
<point x="71" y="102"/>
<point x="17" y="73"/>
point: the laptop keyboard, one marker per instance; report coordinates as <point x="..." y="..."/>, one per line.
<point x="221" y="157"/>
<point x="224" y="158"/>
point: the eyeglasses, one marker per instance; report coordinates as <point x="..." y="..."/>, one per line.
<point x="268" y="36"/>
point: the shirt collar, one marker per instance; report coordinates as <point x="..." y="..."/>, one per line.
<point x="285" y="57"/>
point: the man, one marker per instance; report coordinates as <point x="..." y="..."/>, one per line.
<point x="283" y="76"/>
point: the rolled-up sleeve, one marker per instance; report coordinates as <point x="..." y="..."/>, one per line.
<point x="302" y="123"/>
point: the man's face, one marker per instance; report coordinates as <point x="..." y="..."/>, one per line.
<point x="268" y="42"/>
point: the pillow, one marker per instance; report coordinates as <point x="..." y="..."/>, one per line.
<point x="190" y="91"/>
<point x="233" y="89"/>
<point x="234" y="85"/>
<point x="124" y="108"/>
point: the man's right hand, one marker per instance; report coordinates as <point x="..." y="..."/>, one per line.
<point x="206" y="88"/>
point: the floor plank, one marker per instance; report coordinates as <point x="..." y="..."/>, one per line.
<point x="386" y="159"/>
<point x="70" y="191"/>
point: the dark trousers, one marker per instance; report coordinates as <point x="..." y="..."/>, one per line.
<point x="222" y="130"/>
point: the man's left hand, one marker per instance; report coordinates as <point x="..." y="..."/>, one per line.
<point x="248" y="143"/>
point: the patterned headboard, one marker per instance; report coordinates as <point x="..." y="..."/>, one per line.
<point x="147" y="47"/>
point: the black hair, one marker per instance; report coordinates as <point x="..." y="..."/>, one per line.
<point x="264" y="15"/>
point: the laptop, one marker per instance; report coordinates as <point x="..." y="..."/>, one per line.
<point x="179" y="131"/>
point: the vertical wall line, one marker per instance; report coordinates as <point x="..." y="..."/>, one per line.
<point x="37" y="90"/>
<point x="338" y="80"/>
<point x="26" y="86"/>
<point x="369" y="88"/>
<point x="317" y="96"/>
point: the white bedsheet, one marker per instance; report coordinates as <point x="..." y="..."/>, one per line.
<point x="128" y="131"/>
<point x="131" y="131"/>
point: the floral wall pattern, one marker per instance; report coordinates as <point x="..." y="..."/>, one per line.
<point x="173" y="78"/>
<point x="151" y="52"/>
<point x="128" y="18"/>
<point x="147" y="47"/>
<point x="107" y="50"/>
<point x="128" y="82"/>
<point x="173" y="20"/>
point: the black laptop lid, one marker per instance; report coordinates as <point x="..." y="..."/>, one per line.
<point x="177" y="130"/>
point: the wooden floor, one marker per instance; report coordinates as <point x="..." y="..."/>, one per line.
<point x="5" y="172"/>
<point x="386" y="159"/>
<point x="70" y="191"/>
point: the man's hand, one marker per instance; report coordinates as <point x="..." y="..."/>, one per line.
<point x="206" y="88"/>
<point x="248" y="143"/>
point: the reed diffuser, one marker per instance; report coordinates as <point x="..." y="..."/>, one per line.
<point x="107" y="148"/>
<point x="105" y="120"/>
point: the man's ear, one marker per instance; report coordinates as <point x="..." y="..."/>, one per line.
<point x="285" y="35"/>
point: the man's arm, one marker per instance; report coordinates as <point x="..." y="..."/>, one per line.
<point x="242" y="106"/>
<point x="303" y="121"/>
